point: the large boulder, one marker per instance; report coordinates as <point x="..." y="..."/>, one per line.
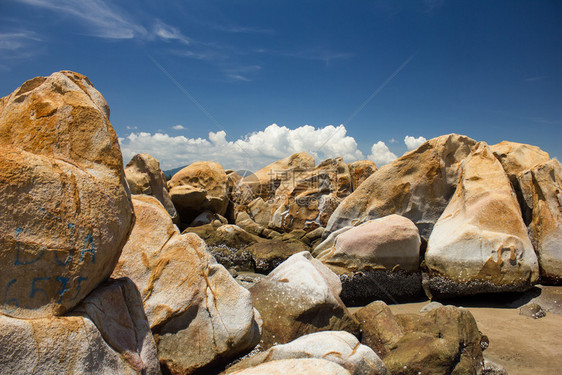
<point x="144" y="176"/>
<point x="360" y="170"/>
<point x="293" y="194"/>
<point x="65" y="205"/>
<point x="309" y="366"/>
<point x="335" y="346"/>
<point x="198" y="313"/>
<point x="199" y="187"/>
<point x="417" y="185"/>
<point x="480" y="243"/>
<point x="300" y="296"/>
<point x="264" y="183"/>
<point x="517" y="158"/>
<point x="541" y="188"/>
<point x="106" y="334"/>
<point x="444" y="341"/>
<point x="378" y="259"/>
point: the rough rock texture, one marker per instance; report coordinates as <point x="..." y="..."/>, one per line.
<point x="269" y="254"/>
<point x="264" y="183"/>
<point x="541" y="187"/>
<point x="359" y="171"/>
<point x="294" y="194"/>
<point x="309" y="366"/>
<point x="65" y="205"/>
<point x="199" y="187"/>
<point x="144" y="176"/>
<point x="480" y="244"/>
<point x="518" y="157"/>
<point x="387" y="243"/>
<point x="233" y="247"/>
<point x="446" y="340"/>
<point x="335" y="346"/>
<point x="244" y="221"/>
<point x="378" y="259"/>
<point x="417" y="185"/>
<point x="198" y="313"/>
<point x="107" y="334"/>
<point x="300" y="296"/>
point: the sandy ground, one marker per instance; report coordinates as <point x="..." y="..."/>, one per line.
<point x="521" y="344"/>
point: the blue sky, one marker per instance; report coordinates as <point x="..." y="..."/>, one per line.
<point x="247" y="82"/>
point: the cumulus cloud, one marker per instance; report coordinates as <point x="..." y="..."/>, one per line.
<point x="380" y="154"/>
<point x="413" y="143"/>
<point x="253" y="151"/>
<point x="178" y="127"/>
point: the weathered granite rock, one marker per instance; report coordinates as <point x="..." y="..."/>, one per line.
<point x="65" y="205"/>
<point x="359" y="171"/>
<point x="335" y="346"/>
<point x="294" y="194"/>
<point x="379" y="327"/>
<point x="199" y="187"/>
<point x="107" y="334"/>
<point x="377" y="260"/>
<point x="244" y="221"/>
<point x="518" y="157"/>
<point x="309" y="366"/>
<point x="387" y="243"/>
<point x="300" y="296"/>
<point x="264" y="183"/>
<point x="198" y="313"/>
<point x="144" y="176"/>
<point x="269" y="254"/>
<point x="480" y="244"/>
<point x="443" y="341"/>
<point x="541" y="187"/>
<point x="417" y="185"/>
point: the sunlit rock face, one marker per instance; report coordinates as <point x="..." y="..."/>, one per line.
<point x="541" y="188"/>
<point x="199" y="187"/>
<point x="300" y="296"/>
<point x="377" y="260"/>
<point x="293" y="193"/>
<point x="417" y="185"/>
<point x="480" y="243"/>
<point x="65" y="205"/>
<point x="144" y="176"/>
<point x="198" y="313"/>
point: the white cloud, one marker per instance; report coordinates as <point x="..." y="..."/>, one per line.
<point x="380" y="154"/>
<point x="178" y="127"/>
<point x="413" y="143"/>
<point x="105" y="21"/>
<point x="167" y="32"/>
<point x="16" y="40"/>
<point x="253" y="151"/>
<point x="18" y="45"/>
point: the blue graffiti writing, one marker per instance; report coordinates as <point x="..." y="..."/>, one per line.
<point x="89" y="241"/>
<point x="63" y="289"/>
<point x="35" y="290"/>
<point x="18" y="262"/>
<point x="80" y="279"/>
